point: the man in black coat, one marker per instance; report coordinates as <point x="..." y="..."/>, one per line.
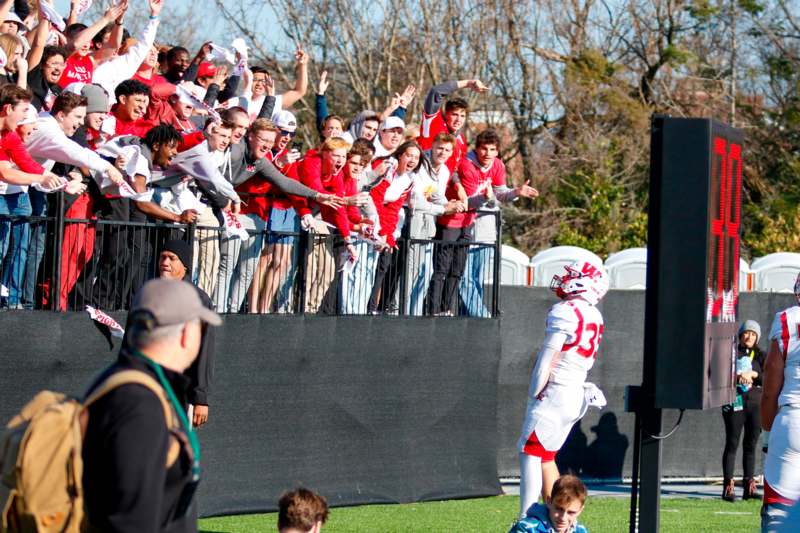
<point x="175" y="262"/>
<point x="141" y="458"/>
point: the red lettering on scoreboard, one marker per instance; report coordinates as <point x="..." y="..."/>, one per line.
<point x="725" y="219"/>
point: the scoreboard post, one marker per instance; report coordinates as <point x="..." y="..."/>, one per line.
<point x="692" y="286"/>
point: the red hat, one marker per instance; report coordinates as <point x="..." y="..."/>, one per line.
<point x="206" y="70"/>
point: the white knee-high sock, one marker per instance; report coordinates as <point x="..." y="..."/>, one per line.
<point x="530" y="481"/>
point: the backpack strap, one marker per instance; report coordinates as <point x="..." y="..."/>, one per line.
<point x="136" y="377"/>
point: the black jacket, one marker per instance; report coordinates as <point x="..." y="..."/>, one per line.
<point x="201" y="373"/>
<point x="754" y="394"/>
<point x="127" y="486"/>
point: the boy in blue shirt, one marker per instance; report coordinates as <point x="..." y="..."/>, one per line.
<point x="560" y="515"/>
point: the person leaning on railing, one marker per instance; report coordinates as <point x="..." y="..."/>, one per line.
<point x="17" y="172"/>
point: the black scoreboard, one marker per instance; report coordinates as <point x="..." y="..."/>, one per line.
<point x="693" y="261"/>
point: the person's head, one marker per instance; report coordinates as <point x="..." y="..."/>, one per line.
<point x="442" y="148"/>
<point x="366" y="144"/>
<point x="13" y="24"/>
<point x="163" y="142"/>
<point x="219" y="135"/>
<point x="487" y="147"/>
<point x="391" y="132"/>
<point x="177" y="61"/>
<point x="260" y="76"/>
<point x="182" y="107"/>
<point x="71" y="32"/>
<point x="287" y="124"/>
<point x="409" y="157"/>
<point x="566" y="502"/>
<point x="12" y="46"/>
<point x="53" y="61"/>
<point x="358" y="158"/>
<point x="14" y="102"/>
<point x="240" y="120"/>
<point x="133" y="97"/>
<point x="749" y="333"/>
<point x="301" y="511"/>
<point x="175" y="259"/>
<point x="151" y="59"/>
<point x="332" y="126"/>
<point x="101" y="38"/>
<point x="96" y="105"/>
<point x="261" y="137"/>
<point x="455" y="114"/>
<point x="29" y="124"/>
<point x="165" y="322"/>
<point x="370" y="127"/>
<point x="205" y="73"/>
<point x="334" y="155"/>
<point x="412" y="132"/>
<point x="69" y="110"/>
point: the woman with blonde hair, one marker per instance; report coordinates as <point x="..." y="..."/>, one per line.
<point x="13" y="66"/>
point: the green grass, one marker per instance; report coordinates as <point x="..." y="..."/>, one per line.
<point x="602" y="515"/>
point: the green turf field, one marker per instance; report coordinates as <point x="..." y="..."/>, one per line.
<point x="602" y="515"/>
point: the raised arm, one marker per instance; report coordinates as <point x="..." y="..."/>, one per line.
<point x="300" y="82"/>
<point x="85" y="37"/>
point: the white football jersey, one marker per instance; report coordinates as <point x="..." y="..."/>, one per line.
<point x="583" y="325"/>
<point x="786" y="331"/>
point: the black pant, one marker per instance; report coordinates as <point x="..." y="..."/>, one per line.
<point x="387" y="278"/>
<point x="748" y="418"/>
<point x="449" y="260"/>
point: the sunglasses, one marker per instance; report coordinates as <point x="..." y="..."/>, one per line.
<point x="285" y="133"/>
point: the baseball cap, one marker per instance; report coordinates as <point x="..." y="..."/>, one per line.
<point x="172" y="302"/>
<point x="390" y="123"/>
<point x="13" y="17"/>
<point x="285" y="120"/>
<point x="206" y="70"/>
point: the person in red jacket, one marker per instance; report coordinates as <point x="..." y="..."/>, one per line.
<point x="389" y="196"/>
<point x="476" y="175"/>
<point x="451" y="119"/>
<point x="323" y="171"/>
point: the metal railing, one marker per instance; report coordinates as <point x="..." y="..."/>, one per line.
<point x="58" y="263"/>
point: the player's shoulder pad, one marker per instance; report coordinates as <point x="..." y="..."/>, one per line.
<point x="563" y="318"/>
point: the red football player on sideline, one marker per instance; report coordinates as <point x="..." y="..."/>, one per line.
<point x="559" y="395"/>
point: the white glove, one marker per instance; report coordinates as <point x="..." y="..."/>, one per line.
<point x="307" y="222"/>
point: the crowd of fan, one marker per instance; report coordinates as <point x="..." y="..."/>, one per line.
<point x="138" y="132"/>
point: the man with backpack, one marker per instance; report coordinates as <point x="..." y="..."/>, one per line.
<point x="141" y="457"/>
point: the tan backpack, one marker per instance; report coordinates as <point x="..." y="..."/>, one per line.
<point x="41" y="489"/>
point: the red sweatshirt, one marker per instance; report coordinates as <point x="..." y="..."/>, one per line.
<point x="388" y="213"/>
<point x="472" y="178"/>
<point x="310" y="172"/>
<point x="12" y="149"/>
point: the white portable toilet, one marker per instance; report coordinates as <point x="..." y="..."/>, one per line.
<point x="775" y="272"/>
<point x="745" y="276"/>
<point x="627" y="269"/>
<point x="513" y="266"/>
<point x="550" y="262"/>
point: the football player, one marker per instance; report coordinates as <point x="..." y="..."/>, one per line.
<point x="559" y="395"/>
<point x="780" y="415"/>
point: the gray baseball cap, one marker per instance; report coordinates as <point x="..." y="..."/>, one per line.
<point x="172" y="302"/>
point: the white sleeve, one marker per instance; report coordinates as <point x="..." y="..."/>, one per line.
<point x="551" y="347"/>
<point x="48" y="144"/>
<point x="563" y="319"/>
<point x="111" y="73"/>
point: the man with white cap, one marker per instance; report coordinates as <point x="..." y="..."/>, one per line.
<point x="141" y="457"/>
<point x="390" y="136"/>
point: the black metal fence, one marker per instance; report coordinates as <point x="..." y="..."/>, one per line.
<point x="60" y="263"/>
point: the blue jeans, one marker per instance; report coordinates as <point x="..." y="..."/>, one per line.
<point x="479" y="262"/>
<point x="14" y="237"/>
<point x="36" y="248"/>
